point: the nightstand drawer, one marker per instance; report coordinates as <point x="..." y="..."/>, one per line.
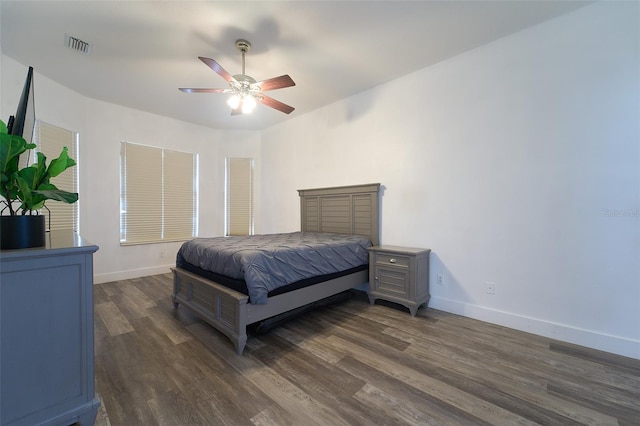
<point x="392" y="260"/>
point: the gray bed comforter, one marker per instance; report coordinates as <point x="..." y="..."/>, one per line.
<point x="267" y="262"/>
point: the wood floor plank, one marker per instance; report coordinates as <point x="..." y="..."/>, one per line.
<point x="444" y="353"/>
<point x="170" y="327"/>
<point x="615" y="361"/>
<point x="346" y="364"/>
<point x="113" y="287"/>
<point x="137" y="297"/>
<point x="434" y="411"/>
<point x="318" y="379"/>
<point x="473" y="405"/>
<point x="626" y="412"/>
<point x="300" y="406"/>
<point x="480" y="380"/>
<point x="128" y="307"/>
<point x="511" y="381"/>
<point x="359" y="329"/>
<point x="312" y="344"/>
<point x="183" y="411"/>
<point x="396" y="409"/>
<point x="273" y="415"/>
<point x="100" y="295"/>
<point x="115" y="322"/>
<point x="154" y="287"/>
<point x="236" y="398"/>
<point x="126" y="385"/>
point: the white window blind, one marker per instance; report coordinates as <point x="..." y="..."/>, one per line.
<point x="158" y="197"/>
<point x="50" y="140"/>
<point x="239" y="196"/>
<point x="179" y="196"/>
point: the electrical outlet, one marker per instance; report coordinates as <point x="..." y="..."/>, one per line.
<point x="490" y="287"/>
<point x="440" y="279"/>
<point x="161" y="254"/>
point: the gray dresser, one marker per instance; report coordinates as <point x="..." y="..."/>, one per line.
<point x="46" y="333"/>
<point x="400" y="275"/>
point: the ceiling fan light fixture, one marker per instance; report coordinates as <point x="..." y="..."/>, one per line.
<point x="244" y="102"/>
<point x="248" y="104"/>
<point x="234" y="101"/>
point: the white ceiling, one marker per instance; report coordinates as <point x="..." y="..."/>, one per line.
<point x="142" y="51"/>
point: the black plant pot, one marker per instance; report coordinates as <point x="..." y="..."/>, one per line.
<point x="22" y="231"/>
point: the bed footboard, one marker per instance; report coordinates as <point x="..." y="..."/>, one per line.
<point x="223" y="308"/>
<point x="230" y="312"/>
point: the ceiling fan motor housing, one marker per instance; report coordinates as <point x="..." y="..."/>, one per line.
<point x="243" y="45"/>
<point x="243" y="78"/>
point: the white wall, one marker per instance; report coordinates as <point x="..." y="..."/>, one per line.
<point x="507" y="162"/>
<point x="102" y="127"/>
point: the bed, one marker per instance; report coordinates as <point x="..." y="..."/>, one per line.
<point x="346" y="210"/>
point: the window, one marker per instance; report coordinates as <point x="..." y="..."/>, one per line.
<point x="239" y="196"/>
<point x="50" y="140"/>
<point x="158" y="194"/>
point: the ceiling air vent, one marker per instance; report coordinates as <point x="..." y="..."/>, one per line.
<point x="77" y="44"/>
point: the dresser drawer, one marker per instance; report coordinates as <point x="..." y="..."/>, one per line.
<point x="385" y="259"/>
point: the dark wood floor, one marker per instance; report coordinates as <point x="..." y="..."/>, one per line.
<point x="347" y="364"/>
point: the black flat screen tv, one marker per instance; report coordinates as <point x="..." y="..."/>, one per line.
<point x="22" y="124"/>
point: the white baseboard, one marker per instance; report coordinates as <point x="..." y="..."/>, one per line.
<point x="589" y="338"/>
<point x="135" y="273"/>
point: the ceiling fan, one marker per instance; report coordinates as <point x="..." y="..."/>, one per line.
<point x="247" y="92"/>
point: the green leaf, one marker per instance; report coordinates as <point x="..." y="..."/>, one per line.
<point x="60" y="164"/>
<point x="59" y="195"/>
<point x="41" y="171"/>
<point x="25" y="194"/>
<point x="11" y="146"/>
<point x="29" y="180"/>
<point x="32" y="175"/>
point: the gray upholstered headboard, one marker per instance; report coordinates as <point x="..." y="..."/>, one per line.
<point x="352" y="210"/>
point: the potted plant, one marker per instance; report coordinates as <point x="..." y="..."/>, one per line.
<point x="25" y="191"/>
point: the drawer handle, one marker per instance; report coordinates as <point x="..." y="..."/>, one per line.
<point x="392" y="260"/>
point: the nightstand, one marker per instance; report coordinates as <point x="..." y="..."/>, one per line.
<point x="400" y="275"/>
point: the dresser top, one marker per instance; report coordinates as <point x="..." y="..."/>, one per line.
<point x="57" y="242"/>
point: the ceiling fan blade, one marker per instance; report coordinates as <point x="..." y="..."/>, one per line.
<point x="270" y="102"/>
<point x="217" y="68"/>
<point x="192" y="90"/>
<point x="275" y="83"/>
